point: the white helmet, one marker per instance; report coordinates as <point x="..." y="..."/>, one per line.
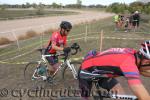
<point x="145" y="49"/>
<point x="136" y="12"/>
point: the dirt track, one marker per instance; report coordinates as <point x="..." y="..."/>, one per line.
<point x="48" y="22"/>
<point x="11" y="76"/>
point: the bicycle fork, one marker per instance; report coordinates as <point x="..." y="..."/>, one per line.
<point x="72" y="68"/>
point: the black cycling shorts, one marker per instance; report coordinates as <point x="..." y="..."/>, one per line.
<point x="105" y="83"/>
<point x="135" y="23"/>
<point x="52" y="59"/>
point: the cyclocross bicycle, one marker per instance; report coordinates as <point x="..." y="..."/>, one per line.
<point x="38" y="70"/>
<point x="100" y="95"/>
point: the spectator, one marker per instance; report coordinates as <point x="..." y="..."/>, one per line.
<point x="116" y="21"/>
<point x="121" y="21"/>
<point x="136" y="20"/>
<point x="131" y="20"/>
<point x="126" y="24"/>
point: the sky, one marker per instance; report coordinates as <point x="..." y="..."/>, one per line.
<point x="64" y="2"/>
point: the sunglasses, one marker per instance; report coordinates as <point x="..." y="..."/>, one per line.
<point x="68" y="30"/>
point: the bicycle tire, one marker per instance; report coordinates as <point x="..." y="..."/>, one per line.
<point x="98" y="96"/>
<point x="28" y="76"/>
<point x="67" y="77"/>
<point x="28" y="72"/>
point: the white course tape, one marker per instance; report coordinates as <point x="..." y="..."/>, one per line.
<point x="20" y="55"/>
<point x="77" y="39"/>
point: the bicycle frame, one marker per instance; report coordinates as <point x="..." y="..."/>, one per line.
<point x="95" y="78"/>
<point x="72" y="68"/>
<point x="67" y="62"/>
<point x="43" y="59"/>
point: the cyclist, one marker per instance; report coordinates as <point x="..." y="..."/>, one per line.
<point x="57" y="42"/>
<point x="115" y="62"/>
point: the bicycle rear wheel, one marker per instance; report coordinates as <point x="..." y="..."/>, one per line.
<point x="98" y="98"/>
<point x="29" y="70"/>
<point x="96" y="89"/>
<point x="67" y="76"/>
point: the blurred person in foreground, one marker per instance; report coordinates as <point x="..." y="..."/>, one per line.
<point x="113" y="63"/>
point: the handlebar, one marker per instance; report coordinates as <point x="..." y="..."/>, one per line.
<point x="75" y="48"/>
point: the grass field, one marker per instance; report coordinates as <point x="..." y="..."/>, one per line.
<point x="12" y="73"/>
<point x="16" y="14"/>
<point x="94" y="30"/>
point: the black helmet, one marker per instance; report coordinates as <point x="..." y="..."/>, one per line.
<point x="66" y="25"/>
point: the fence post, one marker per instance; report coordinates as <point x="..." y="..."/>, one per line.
<point x="13" y="33"/>
<point x="86" y="33"/>
<point x="101" y="40"/>
<point x="42" y="26"/>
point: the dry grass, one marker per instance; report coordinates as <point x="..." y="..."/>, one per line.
<point x="28" y="35"/>
<point x="49" y="31"/>
<point x="32" y="33"/>
<point x="4" y="40"/>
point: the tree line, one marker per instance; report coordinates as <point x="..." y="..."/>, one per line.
<point x="135" y="6"/>
<point x="78" y="4"/>
<point x="115" y="7"/>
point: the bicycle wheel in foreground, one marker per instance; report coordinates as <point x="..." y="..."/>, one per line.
<point x="67" y="76"/>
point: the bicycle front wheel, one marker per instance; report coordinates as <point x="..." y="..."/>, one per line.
<point x="68" y="75"/>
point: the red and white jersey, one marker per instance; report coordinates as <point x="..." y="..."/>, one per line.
<point x="58" y="40"/>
